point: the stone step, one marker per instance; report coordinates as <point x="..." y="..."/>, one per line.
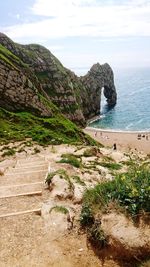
<point x="20" y="203"/>
<point x="24" y="167"/>
<point x="23" y="178"/>
<point x="36" y="211"/>
<point x="13" y="172"/>
<point x="19" y="189"/>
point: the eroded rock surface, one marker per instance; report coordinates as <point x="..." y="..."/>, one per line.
<point x="30" y="72"/>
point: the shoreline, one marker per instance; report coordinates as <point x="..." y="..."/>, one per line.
<point x="124" y="140"/>
<point x="117" y="131"/>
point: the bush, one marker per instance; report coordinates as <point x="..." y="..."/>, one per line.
<point x="86" y="217"/>
<point x="71" y="159"/>
<point x="97" y="236"/>
<point x="130" y="190"/>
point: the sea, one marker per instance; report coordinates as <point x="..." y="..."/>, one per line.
<point x="132" y="111"/>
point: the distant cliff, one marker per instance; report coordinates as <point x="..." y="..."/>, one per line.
<point x="33" y="79"/>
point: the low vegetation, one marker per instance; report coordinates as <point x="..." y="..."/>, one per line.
<point x="92" y="151"/>
<point x="9" y="152"/>
<point x="60" y="209"/>
<point x="62" y="174"/>
<point x="55" y="130"/>
<point x="78" y="180"/>
<point x="111" y="165"/>
<point x="71" y="159"/>
<point x="130" y="190"/>
<point x="129" y="193"/>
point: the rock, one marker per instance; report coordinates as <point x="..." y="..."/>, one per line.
<point x="28" y="71"/>
<point x="60" y="188"/>
<point x="126" y="239"/>
<point x="99" y="76"/>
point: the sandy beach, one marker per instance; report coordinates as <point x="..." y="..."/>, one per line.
<point x="123" y="140"/>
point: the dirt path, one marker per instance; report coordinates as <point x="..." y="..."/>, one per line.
<point x="46" y="238"/>
<point x="29" y="239"/>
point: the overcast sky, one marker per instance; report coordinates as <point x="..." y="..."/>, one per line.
<point x="82" y="32"/>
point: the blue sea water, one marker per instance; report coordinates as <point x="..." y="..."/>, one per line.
<point x="132" y="111"/>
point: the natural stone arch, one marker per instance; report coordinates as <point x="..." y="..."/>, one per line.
<point x="99" y="77"/>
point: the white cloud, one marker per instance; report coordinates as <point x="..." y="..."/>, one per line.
<point x="66" y="18"/>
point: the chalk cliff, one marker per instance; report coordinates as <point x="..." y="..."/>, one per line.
<point x="33" y="79"/>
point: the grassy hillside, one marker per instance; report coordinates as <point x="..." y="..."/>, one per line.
<point x="55" y="130"/>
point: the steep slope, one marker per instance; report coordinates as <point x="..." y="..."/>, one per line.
<point x="26" y="111"/>
<point x="77" y="98"/>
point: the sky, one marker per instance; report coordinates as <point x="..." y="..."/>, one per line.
<point x="82" y="32"/>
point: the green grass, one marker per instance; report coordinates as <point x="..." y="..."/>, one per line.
<point x="96" y="236"/>
<point x="90" y="152"/>
<point x="55" y="130"/>
<point x="60" y="209"/>
<point x="10" y="58"/>
<point x="9" y="152"/>
<point x="111" y="165"/>
<point x="71" y="159"/>
<point x="63" y="175"/>
<point x="130" y="190"/>
<point x="78" y="180"/>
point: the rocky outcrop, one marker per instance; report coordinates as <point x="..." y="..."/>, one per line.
<point x="17" y="92"/>
<point x="30" y="72"/>
<point x="99" y="77"/>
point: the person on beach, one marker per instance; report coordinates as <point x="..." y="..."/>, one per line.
<point x="114" y="146"/>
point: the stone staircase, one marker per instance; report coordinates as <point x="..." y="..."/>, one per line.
<point x="22" y="185"/>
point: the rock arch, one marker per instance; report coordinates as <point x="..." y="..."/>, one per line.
<point x="99" y="76"/>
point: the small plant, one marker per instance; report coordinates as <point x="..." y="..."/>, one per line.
<point x="93" y="151"/>
<point x="9" y="152"/>
<point x="71" y="159"/>
<point x="53" y="150"/>
<point x="130" y="190"/>
<point x="108" y="158"/>
<point x="49" y="177"/>
<point x="21" y="150"/>
<point x="97" y="237"/>
<point x="86" y="216"/>
<point x="36" y="150"/>
<point x="111" y="165"/>
<point x="62" y="174"/>
<point x="60" y="209"/>
<point x="78" y="180"/>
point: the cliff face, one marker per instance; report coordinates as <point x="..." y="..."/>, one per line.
<point x="31" y="78"/>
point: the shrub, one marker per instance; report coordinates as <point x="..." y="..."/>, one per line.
<point x="49" y="177"/>
<point x="130" y="190"/>
<point x="86" y="216"/>
<point x="97" y="236"/>
<point x="71" y="159"/>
